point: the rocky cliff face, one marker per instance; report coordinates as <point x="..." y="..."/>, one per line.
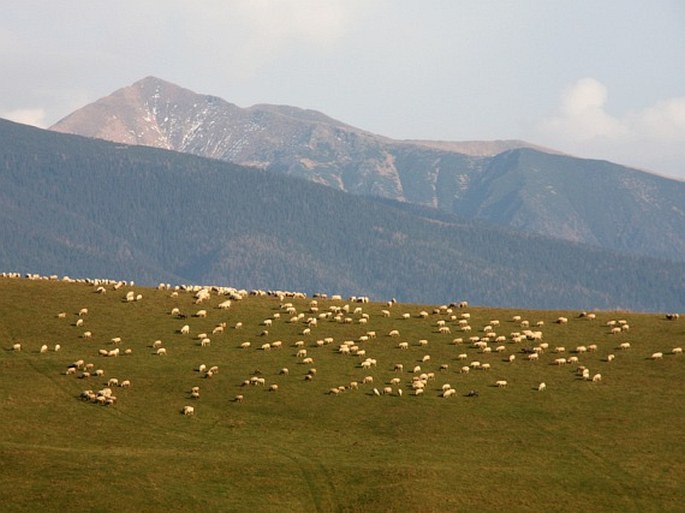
<point x="511" y="183"/>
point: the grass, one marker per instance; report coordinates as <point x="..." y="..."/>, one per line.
<point x="616" y="445"/>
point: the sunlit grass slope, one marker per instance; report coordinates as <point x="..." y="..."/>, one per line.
<point x="612" y="445"/>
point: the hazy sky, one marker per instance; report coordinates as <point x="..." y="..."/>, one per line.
<point x="594" y="78"/>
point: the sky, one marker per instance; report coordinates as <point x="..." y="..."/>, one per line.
<point x="593" y="78"/>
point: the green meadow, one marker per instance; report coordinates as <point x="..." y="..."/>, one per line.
<point x="607" y="446"/>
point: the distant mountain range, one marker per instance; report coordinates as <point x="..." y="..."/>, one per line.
<point x="510" y="183"/>
<point x="86" y="207"/>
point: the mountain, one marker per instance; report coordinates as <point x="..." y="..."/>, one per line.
<point x="510" y="183"/>
<point x="86" y="207"/>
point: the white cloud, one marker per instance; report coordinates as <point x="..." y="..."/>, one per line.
<point x="35" y="117"/>
<point x="652" y="138"/>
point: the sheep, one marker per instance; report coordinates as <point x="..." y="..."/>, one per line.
<point x="284" y="371"/>
<point x="677" y="350"/>
<point x="449" y="393"/>
<point x="245" y="345"/>
<point x="484" y="366"/>
<point x="592" y="347"/>
<point x="156" y="344"/>
<point x="501" y="383"/>
<point x="185" y="329"/>
<point x="308" y="360"/>
<point x="624" y="345"/>
<point x="238" y="398"/>
<point x="444" y="367"/>
<point x="205" y="342"/>
<point x="560" y="361"/>
<point x="82" y="312"/>
<point x="201" y="313"/>
<point x="44" y="348"/>
<point x="418" y="391"/>
<point x="533" y="356"/>
<point x="385" y="313"/>
<point x="657" y="356"/>
<point x="79" y="323"/>
<point x="511" y="358"/>
<point x="125" y="384"/>
<point x="265" y="347"/>
<point x="559" y="349"/>
<point x="87" y="334"/>
<point x="112" y="382"/>
<point x="238" y="325"/>
<point x="217" y="330"/>
<point x="541" y="387"/>
<point x="116" y="340"/>
<point x="387" y="390"/>
<point x="446" y="386"/>
<point x="562" y="320"/>
<point x="115" y="352"/>
<point x="596" y="378"/>
<point x="610" y="358"/>
<point x="444" y="329"/>
<point x="273" y="388"/>
<point x="161" y="351"/>
<point x="188" y="411"/>
<point x="394" y="333"/>
<point x="62" y="315"/>
<point x="367" y="379"/>
<point x="426" y="358"/>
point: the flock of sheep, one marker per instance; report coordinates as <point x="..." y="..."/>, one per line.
<point x="477" y="348"/>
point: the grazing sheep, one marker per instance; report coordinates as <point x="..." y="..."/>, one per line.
<point x="562" y="320"/>
<point x="367" y="379"/>
<point x="161" y="351"/>
<point x="394" y="333"/>
<point x="448" y="393"/>
<point x="426" y="358"/>
<point x="156" y="344"/>
<point x="125" y="383"/>
<point x="87" y="334"/>
<point x="677" y="350"/>
<point x="657" y="356"/>
<point x="185" y="329"/>
<point x="62" y="315"/>
<point x="205" y="342"/>
<point x="542" y="387"/>
<point x="44" y="348"/>
<point x="201" y="313"/>
<point x="308" y="360"/>
<point x="444" y="329"/>
<point x="610" y="358"/>
<point x="273" y="388"/>
<point x="188" y="411"/>
<point x="533" y="357"/>
<point x="112" y="382"/>
<point x="484" y="366"/>
<point x="266" y="347"/>
<point x="79" y="323"/>
<point x="501" y="383"/>
<point x="238" y="325"/>
<point x="511" y="358"/>
<point x="596" y="378"/>
<point x="624" y="345"/>
<point x="245" y="345"/>
<point x="82" y="312"/>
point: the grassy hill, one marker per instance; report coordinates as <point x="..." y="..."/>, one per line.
<point x="613" y="445"/>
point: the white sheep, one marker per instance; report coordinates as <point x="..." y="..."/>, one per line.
<point x="161" y="351"/>
<point x="44" y="348"/>
<point x="188" y="411"/>
<point x="542" y="386"/>
<point x="185" y="329"/>
<point x="501" y="383"/>
<point x="245" y="345"/>
<point x="624" y="345"/>
<point x="657" y="356"/>
<point x="394" y="333"/>
<point x="677" y="350"/>
<point x="57" y="347"/>
<point x="596" y="378"/>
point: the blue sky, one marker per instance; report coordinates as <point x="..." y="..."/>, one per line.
<point x="594" y="78"/>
